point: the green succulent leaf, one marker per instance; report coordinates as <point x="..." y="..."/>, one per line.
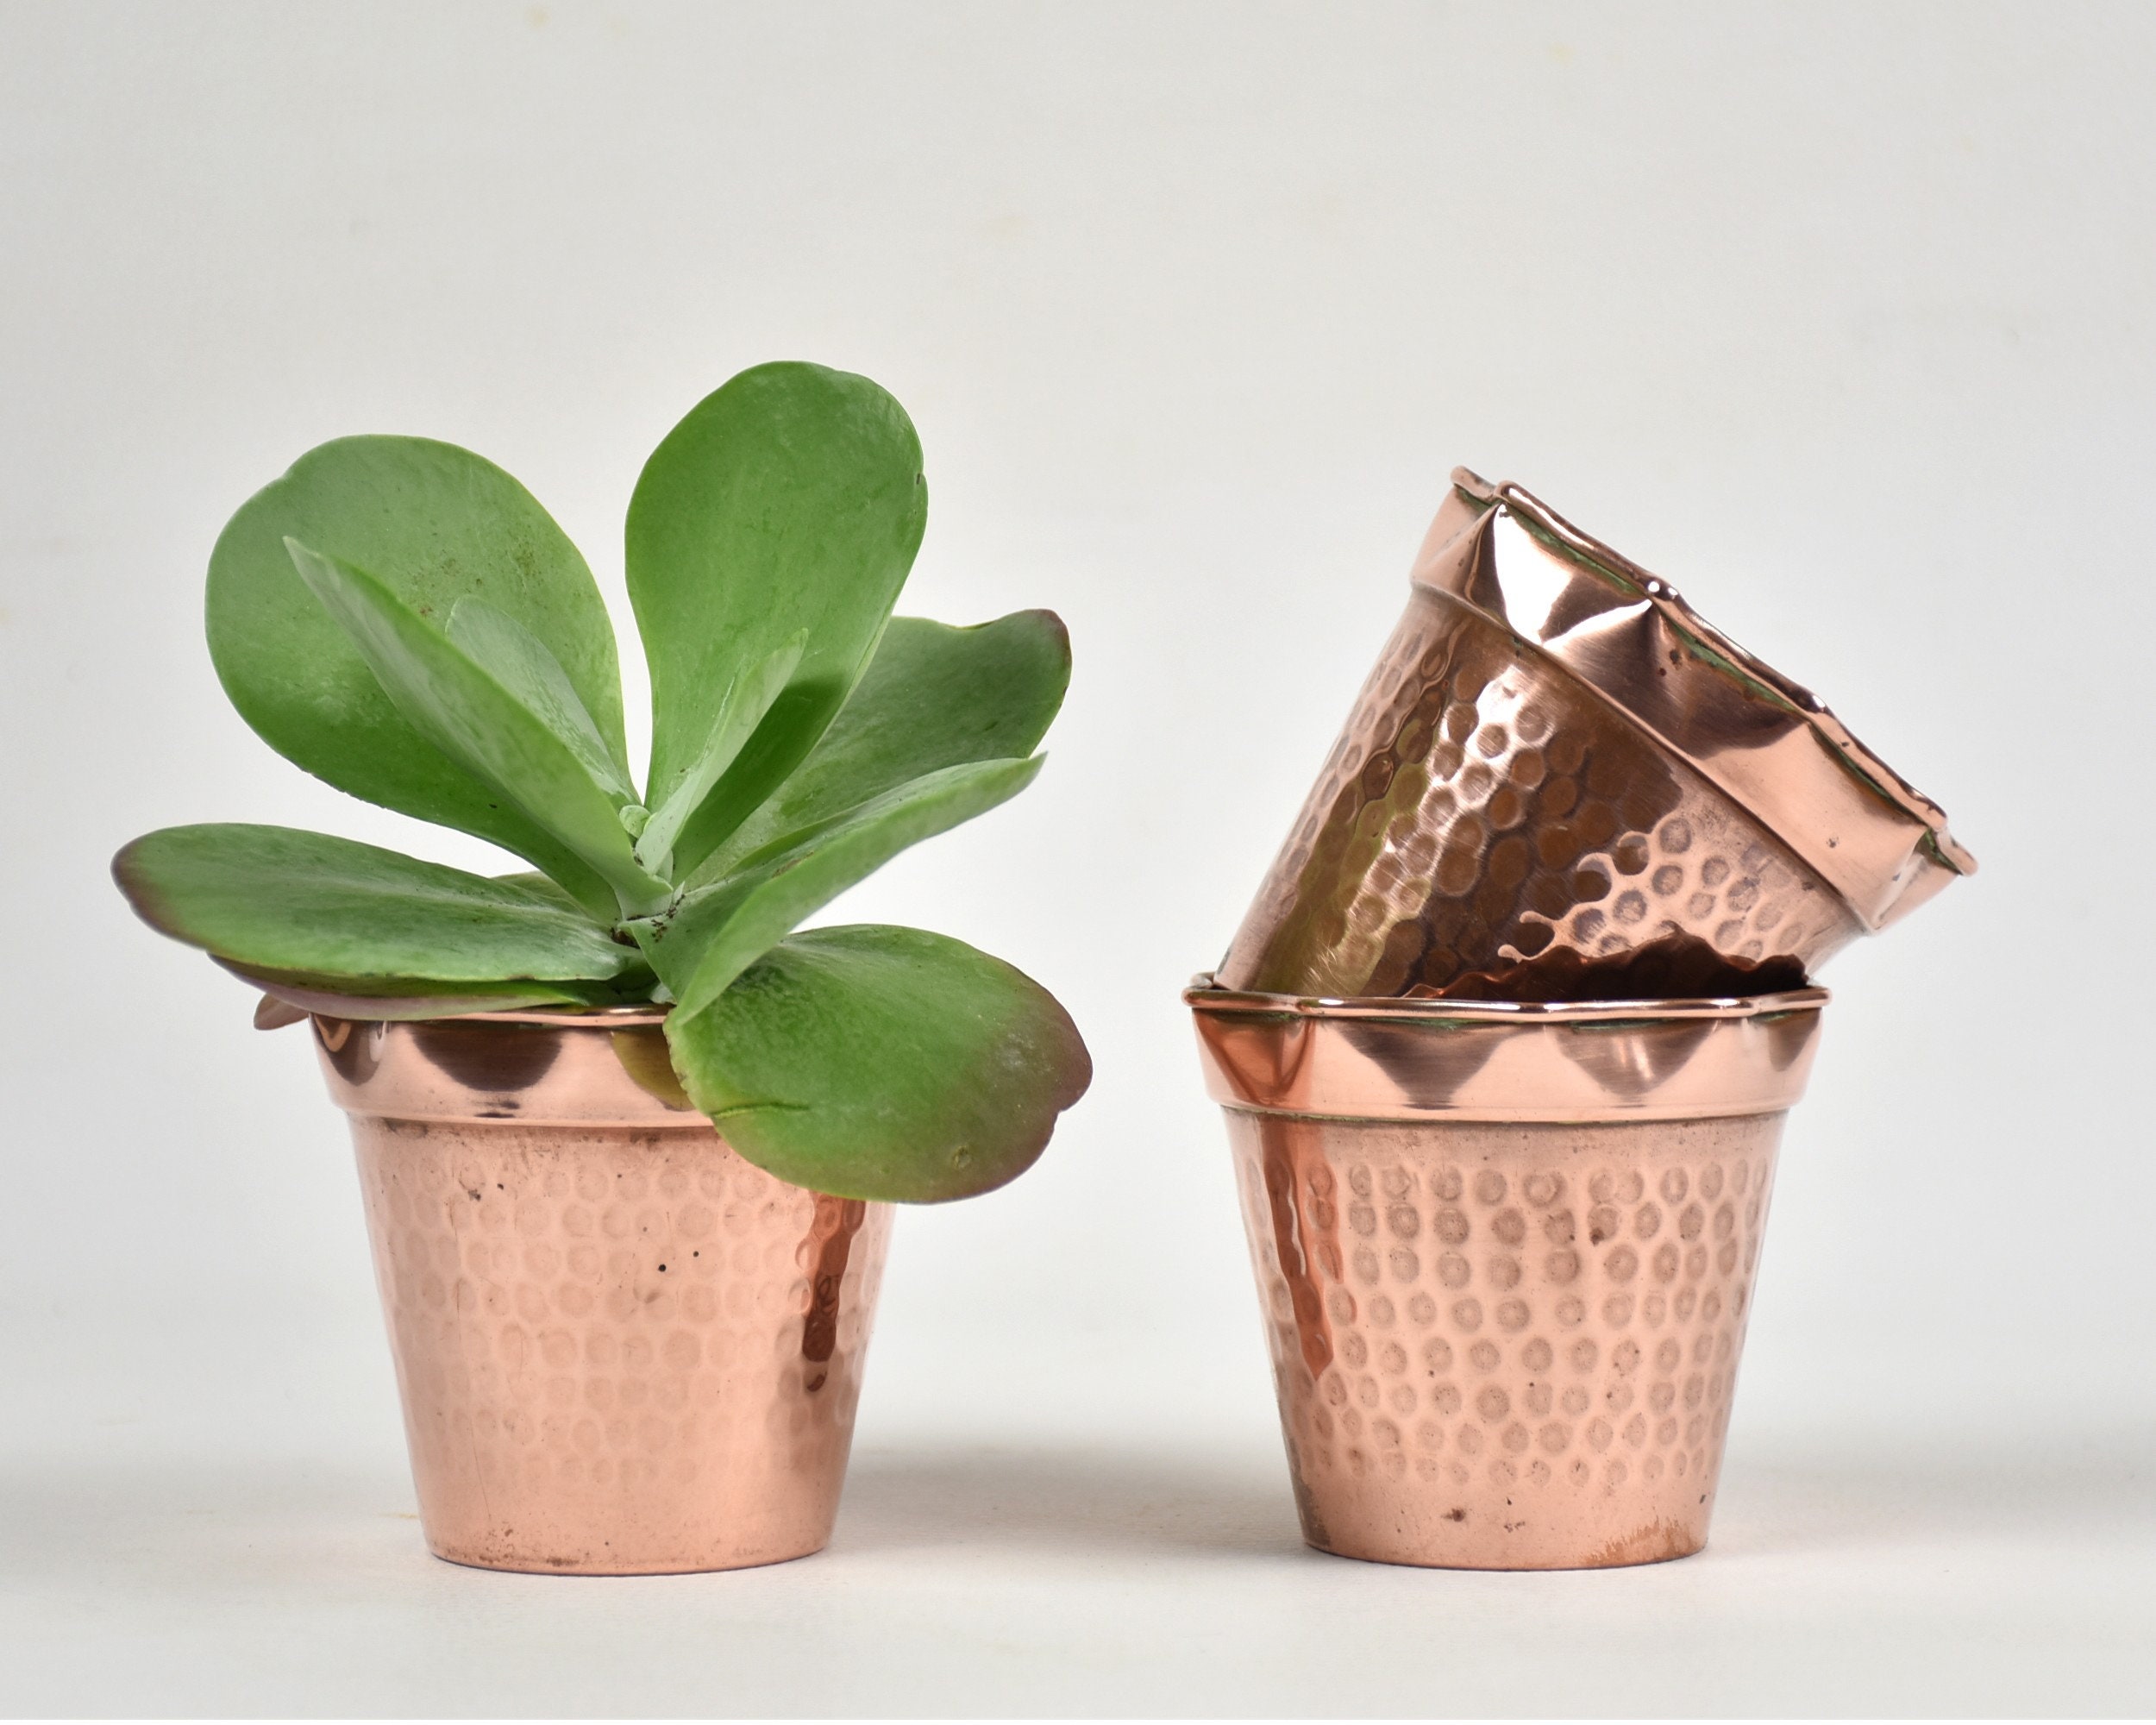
<point x="718" y="931"/>
<point x="472" y="718"/>
<point x="544" y="887"/>
<point x="315" y="910"/>
<point x="519" y="661"/>
<point x="409" y="997"/>
<point x="741" y="709"/>
<point x="933" y="697"/>
<point x="884" y="1063"/>
<point x="403" y="620"/>
<point x="790" y="501"/>
<point x="436" y="523"/>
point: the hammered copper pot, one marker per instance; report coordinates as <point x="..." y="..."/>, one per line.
<point x="622" y="1349"/>
<point x="1556" y="755"/>
<point x="1506" y="1255"/>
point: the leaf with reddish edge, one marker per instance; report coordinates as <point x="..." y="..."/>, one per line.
<point x="329" y="914"/>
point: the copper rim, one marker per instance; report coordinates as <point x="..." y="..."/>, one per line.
<point x="1863" y="762"/>
<point x="1786" y="801"/>
<point x="1553" y="1063"/>
<point x="539" y="1066"/>
<point x="1205" y="995"/>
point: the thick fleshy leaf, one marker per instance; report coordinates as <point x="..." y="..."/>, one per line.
<point x="303" y="992"/>
<point x="933" y="697"/>
<point x="790" y="499"/>
<point x="748" y="698"/>
<point x="544" y="887"/>
<point x="307" y="907"/>
<point x="470" y="717"/>
<point x="884" y="1063"/>
<point x="519" y="661"/>
<point x="436" y="523"/>
<point x="716" y="933"/>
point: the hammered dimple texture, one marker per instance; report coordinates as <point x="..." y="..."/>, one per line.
<point x="620" y="1351"/>
<point x="1505" y="1346"/>
<point x="1482" y="806"/>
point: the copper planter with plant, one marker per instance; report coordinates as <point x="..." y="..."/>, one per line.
<point x="627" y="1137"/>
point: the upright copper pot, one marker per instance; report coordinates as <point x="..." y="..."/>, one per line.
<point x="622" y="1348"/>
<point x="1507" y="1255"/>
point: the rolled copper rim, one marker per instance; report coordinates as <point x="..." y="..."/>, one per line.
<point x="1557" y="1062"/>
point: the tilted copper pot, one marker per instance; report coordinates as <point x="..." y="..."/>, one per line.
<point x="1507" y="1255"/>
<point x="622" y="1349"/>
<point x="1555" y="754"/>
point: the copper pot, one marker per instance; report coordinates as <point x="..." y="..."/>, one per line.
<point x="622" y="1349"/>
<point x="1507" y="1255"/>
<point x="1557" y="757"/>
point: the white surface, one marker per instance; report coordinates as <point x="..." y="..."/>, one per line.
<point x="1067" y="1578"/>
<point x="1843" y="317"/>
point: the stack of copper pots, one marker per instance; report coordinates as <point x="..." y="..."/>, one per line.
<point x="1506" y="1041"/>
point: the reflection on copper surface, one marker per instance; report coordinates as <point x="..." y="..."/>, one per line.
<point x="837" y="1226"/>
<point x="502" y="1062"/>
<point x="1507" y="1256"/>
<point x="554" y="1067"/>
<point x="1495" y="1060"/>
<point x="622" y="1348"/>
<point x="1554" y="753"/>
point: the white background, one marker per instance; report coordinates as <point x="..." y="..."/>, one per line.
<point x="1843" y="317"/>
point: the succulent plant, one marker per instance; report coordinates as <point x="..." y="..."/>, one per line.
<point x="403" y="620"/>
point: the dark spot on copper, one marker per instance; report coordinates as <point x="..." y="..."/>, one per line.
<point x="1597" y="824"/>
<point x="1458" y="867"/>
<point x="1509" y="860"/>
<point x="1558" y="844"/>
